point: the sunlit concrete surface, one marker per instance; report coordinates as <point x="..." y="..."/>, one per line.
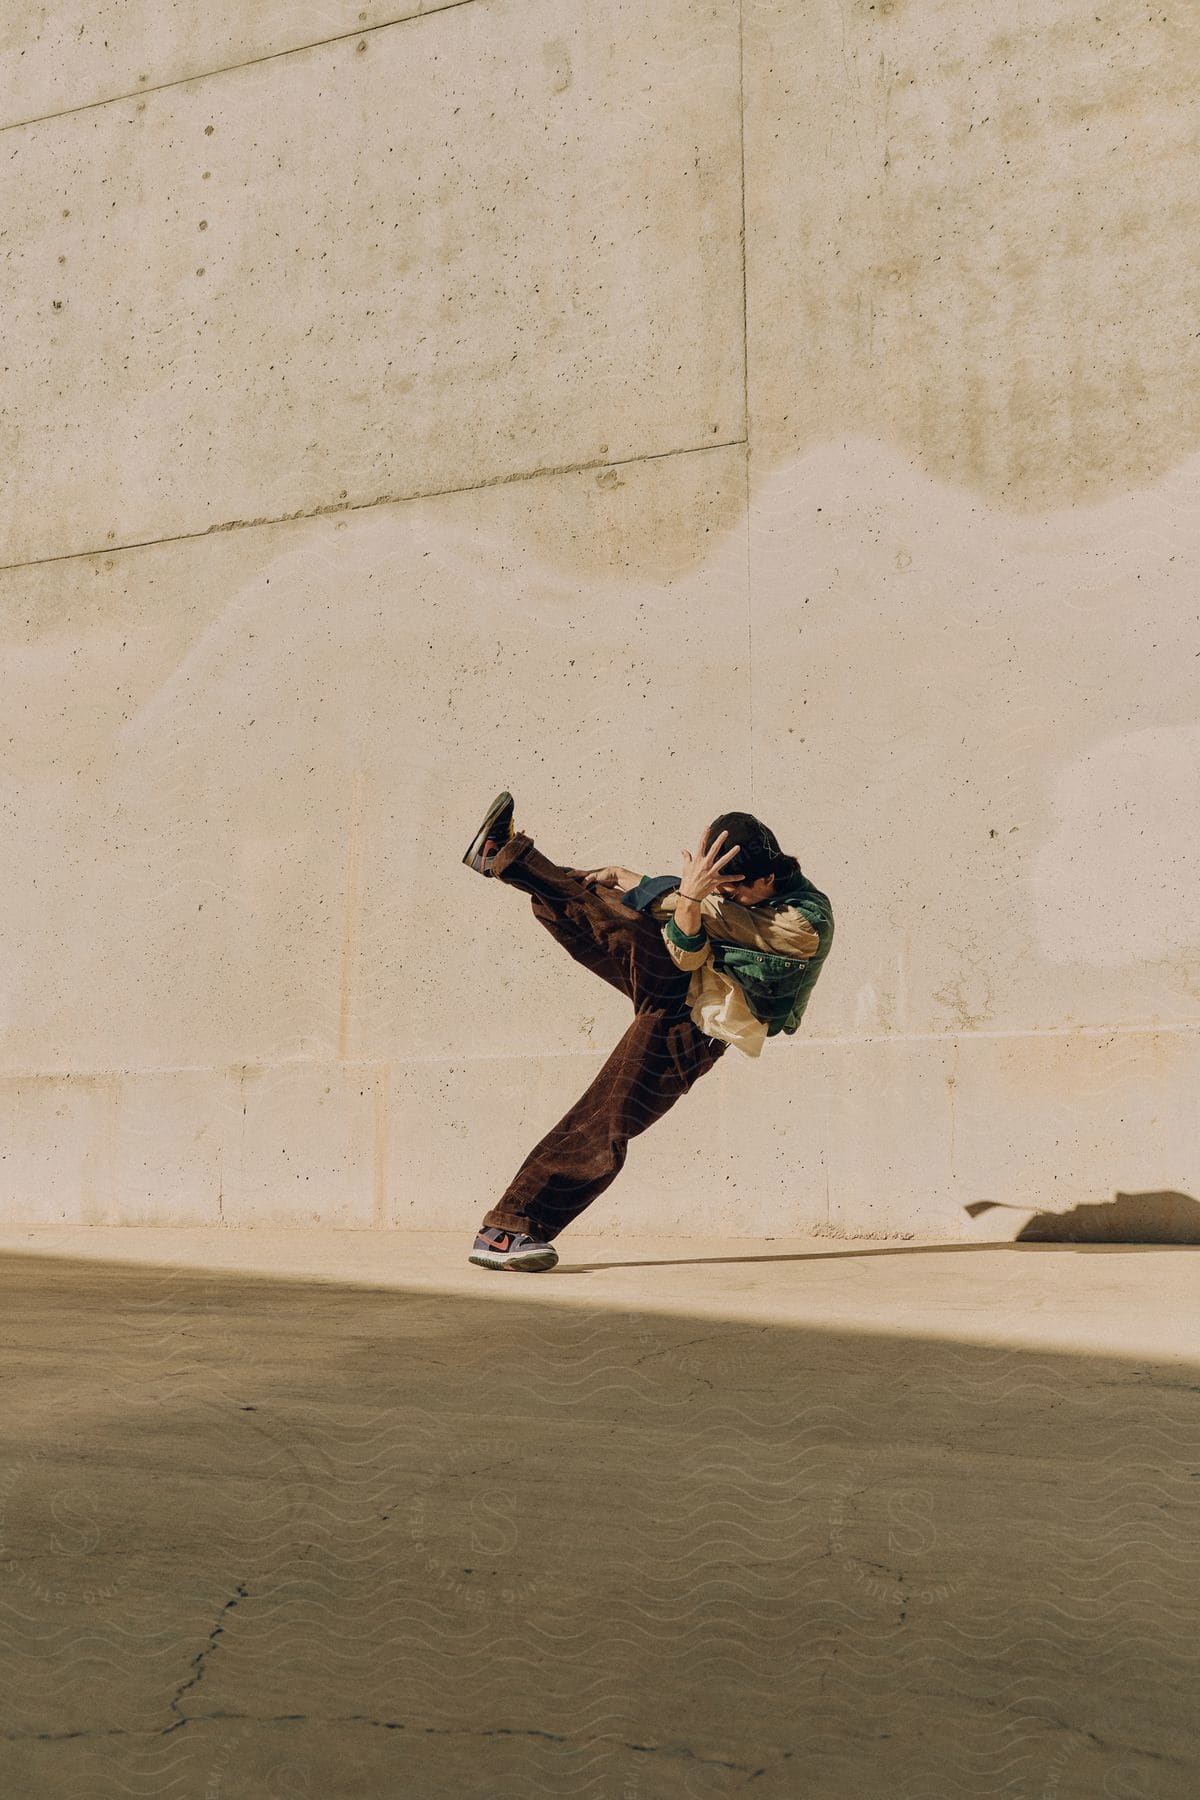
<point x="653" y="411"/>
<point x="337" y="1514"/>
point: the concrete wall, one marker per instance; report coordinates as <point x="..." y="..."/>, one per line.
<point x="787" y="405"/>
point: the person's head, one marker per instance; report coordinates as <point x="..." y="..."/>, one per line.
<point x="764" y="868"/>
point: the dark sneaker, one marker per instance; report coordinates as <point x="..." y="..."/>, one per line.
<point x="496" y="1248"/>
<point x="492" y="835"/>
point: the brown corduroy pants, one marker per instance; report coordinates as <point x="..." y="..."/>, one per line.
<point x="660" y="1056"/>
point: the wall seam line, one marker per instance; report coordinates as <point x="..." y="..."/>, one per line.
<point x="250" y="62"/>
<point x="328" y="511"/>
<point x="746" y="387"/>
<point x="369" y="1065"/>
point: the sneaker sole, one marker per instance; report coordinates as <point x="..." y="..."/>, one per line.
<point x="475" y="847"/>
<point x="530" y="1260"/>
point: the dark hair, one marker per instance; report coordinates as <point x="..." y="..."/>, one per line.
<point x="759" y="855"/>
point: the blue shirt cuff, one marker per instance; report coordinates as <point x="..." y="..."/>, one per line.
<point x="649" y="889"/>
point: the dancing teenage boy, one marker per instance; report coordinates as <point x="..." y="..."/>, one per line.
<point x="703" y="969"/>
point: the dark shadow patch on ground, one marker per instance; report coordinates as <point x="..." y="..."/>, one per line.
<point x="272" y="1537"/>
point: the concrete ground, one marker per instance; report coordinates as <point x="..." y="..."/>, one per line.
<point x="335" y="1514"/>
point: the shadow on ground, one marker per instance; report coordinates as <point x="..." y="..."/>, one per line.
<point x="280" y="1538"/>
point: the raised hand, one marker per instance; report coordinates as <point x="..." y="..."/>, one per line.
<point x="701" y="875"/>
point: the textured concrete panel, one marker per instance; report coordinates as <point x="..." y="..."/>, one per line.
<point x="241" y="779"/>
<point x="243" y="770"/>
<point x="56" y="54"/>
<point x="908" y="1133"/>
<point x="963" y="1139"/>
<point x="146" y="1147"/>
<point x="307" y="1147"/>
<point x="281" y="289"/>
<point x="848" y="1139"/>
<point x="173" y="1138"/>
<point x="991" y="726"/>
<point x="971" y="233"/>
<point x="1071" y="1119"/>
<point x="56" y="1160"/>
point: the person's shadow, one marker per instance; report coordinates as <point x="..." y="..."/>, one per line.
<point x="1160" y="1216"/>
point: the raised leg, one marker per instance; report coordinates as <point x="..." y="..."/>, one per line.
<point x="595" y="926"/>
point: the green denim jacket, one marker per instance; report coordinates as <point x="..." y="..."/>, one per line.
<point x="777" y="987"/>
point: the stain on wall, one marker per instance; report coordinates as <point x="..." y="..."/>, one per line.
<point x="971" y="235"/>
